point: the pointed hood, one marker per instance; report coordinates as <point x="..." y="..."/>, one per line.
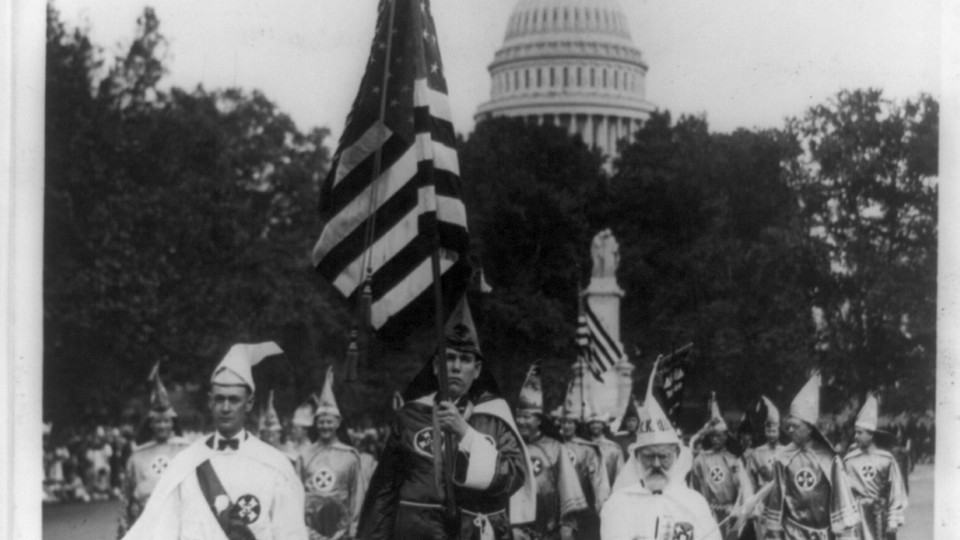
<point x="773" y="414"/>
<point x="270" y="420"/>
<point x="159" y="399"/>
<point x="303" y="416"/>
<point x="461" y="332"/>
<point x="328" y="403"/>
<point x="236" y="367"/>
<point x="531" y="393"/>
<point x="655" y="427"/>
<point x="867" y="419"/>
<point x="716" y="422"/>
<point x="806" y="405"/>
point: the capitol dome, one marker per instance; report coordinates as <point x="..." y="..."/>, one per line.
<point x="570" y="63"/>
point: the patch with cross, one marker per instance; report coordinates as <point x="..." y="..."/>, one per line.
<point x="159" y="464"/>
<point x="423" y="442"/>
<point x="683" y="531"/>
<point x="805" y="479"/>
<point x="323" y="480"/>
<point x="537" y="465"/>
<point x="718" y="475"/>
<point x="868" y="471"/>
<point x="247" y="509"/>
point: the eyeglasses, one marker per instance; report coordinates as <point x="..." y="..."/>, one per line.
<point x="648" y="458"/>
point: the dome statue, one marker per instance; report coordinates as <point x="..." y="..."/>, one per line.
<point x="570" y="63"/>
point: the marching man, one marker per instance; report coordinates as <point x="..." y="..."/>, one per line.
<point x="558" y="488"/>
<point x="761" y="459"/>
<point x="611" y="456"/>
<point x="717" y="474"/>
<point x="151" y="459"/>
<point x="590" y="471"/>
<point x="811" y="498"/>
<point x="650" y="500"/>
<point x="493" y="486"/>
<point x="297" y="439"/>
<point x="270" y="428"/>
<point x="330" y="471"/>
<point x="230" y="484"/>
<point x="875" y="478"/>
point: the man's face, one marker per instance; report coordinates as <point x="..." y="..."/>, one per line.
<point x="799" y="431"/>
<point x="327" y="425"/>
<point x="863" y="437"/>
<point x="462" y="369"/>
<point x="717" y="439"/>
<point x="772" y="431"/>
<point x="528" y="424"/>
<point x="631" y="424"/>
<point x="297" y="432"/>
<point x="657" y="461"/>
<point x="568" y="426"/>
<point x="270" y="436"/>
<point x="162" y="426"/>
<point x="596" y="428"/>
<point x="230" y="405"/>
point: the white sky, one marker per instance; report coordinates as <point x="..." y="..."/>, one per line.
<point x="745" y="63"/>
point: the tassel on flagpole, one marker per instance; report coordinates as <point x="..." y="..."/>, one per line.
<point x="353" y="354"/>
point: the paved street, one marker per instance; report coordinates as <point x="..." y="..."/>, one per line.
<point x="98" y="521"/>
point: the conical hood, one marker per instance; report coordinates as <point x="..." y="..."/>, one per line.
<point x="328" y="403"/>
<point x="236" y="367"/>
<point x="461" y="332"/>
<point x="806" y="406"/>
<point x="303" y="416"/>
<point x="867" y="419"/>
<point x="270" y="420"/>
<point x="773" y="414"/>
<point x="531" y="393"/>
<point x="655" y="427"/>
<point x="716" y="422"/>
<point x="159" y="399"/>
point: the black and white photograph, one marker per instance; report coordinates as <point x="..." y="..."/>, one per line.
<point x="479" y="270"/>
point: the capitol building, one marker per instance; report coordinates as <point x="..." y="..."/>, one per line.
<point x="570" y="63"/>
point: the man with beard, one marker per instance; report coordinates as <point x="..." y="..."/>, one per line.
<point x="559" y="494"/>
<point x="717" y="474"/>
<point x="230" y="484"/>
<point x="330" y="471"/>
<point x="811" y="498"/>
<point x="875" y="478"/>
<point x="760" y="461"/>
<point x="650" y="500"/>
<point x="611" y="456"/>
<point x="407" y="497"/>
<point x="150" y="460"/>
<point x="590" y="472"/>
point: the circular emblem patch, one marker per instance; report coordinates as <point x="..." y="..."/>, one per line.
<point x="805" y="479"/>
<point x="247" y="509"/>
<point x="572" y="457"/>
<point x="683" y="531"/>
<point x="537" y="465"/>
<point x="717" y="475"/>
<point x="323" y="480"/>
<point x="159" y="464"/>
<point x="423" y="442"/>
<point x="868" y="471"/>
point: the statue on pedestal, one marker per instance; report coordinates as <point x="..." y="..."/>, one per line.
<point x="605" y="252"/>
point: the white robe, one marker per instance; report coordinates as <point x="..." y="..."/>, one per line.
<point x="256" y="473"/>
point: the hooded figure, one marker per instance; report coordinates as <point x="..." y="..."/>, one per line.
<point x="650" y="499"/>
<point x="270" y="427"/>
<point x="491" y="474"/>
<point x="811" y="497"/>
<point x="150" y="460"/>
<point x="875" y="478"/>
<point x="229" y="484"/>
<point x="719" y="475"/>
<point x="759" y="462"/>
<point x="330" y="472"/>
<point x="559" y="495"/>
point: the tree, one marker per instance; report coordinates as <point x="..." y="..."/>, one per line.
<point x="177" y="223"/>
<point x="868" y="182"/>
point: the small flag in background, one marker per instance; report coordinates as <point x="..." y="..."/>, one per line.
<point x="597" y="347"/>
<point x="671" y="375"/>
<point x="392" y="196"/>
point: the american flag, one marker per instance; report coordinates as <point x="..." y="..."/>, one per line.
<point x="393" y="193"/>
<point x="671" y="376"/>
<point x="598" y="349"/>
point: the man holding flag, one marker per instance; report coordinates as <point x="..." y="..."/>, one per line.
<point x="493" y="485"/>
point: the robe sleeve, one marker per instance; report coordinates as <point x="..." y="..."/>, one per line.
<point x="287" y="512"/>
<point x="613" y="526"/>
<point x="772" y="513"/>
<point x="897" y="501"/>
<point x="844" y="514"/>
<point x="378" y="513"/>
<point x="598" y="474"/>
<point x="490" y="458"/>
